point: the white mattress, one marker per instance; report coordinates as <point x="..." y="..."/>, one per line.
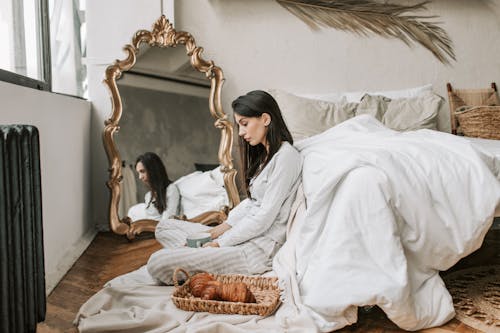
<point x="492" y="147"/>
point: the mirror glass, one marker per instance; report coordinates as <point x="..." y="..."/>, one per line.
<point x="165" y="99"/>
<point x="166" y="111"/>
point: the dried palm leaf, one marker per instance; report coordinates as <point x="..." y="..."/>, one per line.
<point x="366" y="16"/>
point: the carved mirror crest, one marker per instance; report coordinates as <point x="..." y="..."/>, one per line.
<point x="164" y="36"/>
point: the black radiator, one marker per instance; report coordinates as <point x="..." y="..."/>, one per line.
<point x="22" y="274"/>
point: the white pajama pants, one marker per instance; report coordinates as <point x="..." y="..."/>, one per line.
<point x="252" y="257"/>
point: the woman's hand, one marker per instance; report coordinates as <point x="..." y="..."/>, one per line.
<point x="211" y="244"/>
<point x="215" y="232"/>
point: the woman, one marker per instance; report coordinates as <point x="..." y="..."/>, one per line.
<point x="256" y="228"/>
<point x="162" y="199"/>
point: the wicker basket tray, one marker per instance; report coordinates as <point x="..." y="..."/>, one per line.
<point x="480" y="122"/>
<point x="264" y="289"/>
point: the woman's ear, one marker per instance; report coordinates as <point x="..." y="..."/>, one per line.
<point x="266" y="118"/>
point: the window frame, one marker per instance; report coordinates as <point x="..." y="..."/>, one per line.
<point x="44" y="54"/>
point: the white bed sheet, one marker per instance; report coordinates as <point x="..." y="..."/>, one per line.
<point x="490" y="147"/>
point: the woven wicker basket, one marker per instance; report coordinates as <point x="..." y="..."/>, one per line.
<point x="480" y="122"/>
<point x="264" y="289"/>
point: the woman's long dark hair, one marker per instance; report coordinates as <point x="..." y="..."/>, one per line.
<point x="254" y="104"/>
<point x="158" y="179"/>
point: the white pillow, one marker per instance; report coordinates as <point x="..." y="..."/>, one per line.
<point x="406" y="114"/>
<point x="305" y="117"/>
<point x="200" y="193"/>
<point x="356" y="96"/>
<point x="403" y="114"/>
<point x="375" y="105"/>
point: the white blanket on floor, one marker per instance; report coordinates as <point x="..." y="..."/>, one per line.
<point x="149" y="309"/>
<point x="361" y="241"/>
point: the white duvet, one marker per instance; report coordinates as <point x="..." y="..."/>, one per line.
<point x="385" y="212"/>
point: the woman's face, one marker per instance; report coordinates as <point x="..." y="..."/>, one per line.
<point x="142" y="173"/>
<point x="253" y="129"/>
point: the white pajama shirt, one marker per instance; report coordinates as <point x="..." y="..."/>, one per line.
<point x="147" y="209"/>
<point x="258" y="227"/>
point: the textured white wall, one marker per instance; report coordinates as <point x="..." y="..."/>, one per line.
<point x="259" y="44"/>
<point x="64" y="126"/>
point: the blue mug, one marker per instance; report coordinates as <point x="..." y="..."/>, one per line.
<point x="198" y="239"/>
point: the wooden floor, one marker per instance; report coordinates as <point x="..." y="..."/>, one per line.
<point x="110" y="255"/>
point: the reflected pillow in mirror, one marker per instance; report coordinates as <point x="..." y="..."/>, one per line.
<point x="200" y="193"/>
<point x="139" y="212"/>
<point x="306" y="117"/>
<point x="217" y="175"/>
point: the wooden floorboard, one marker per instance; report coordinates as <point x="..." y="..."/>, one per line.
<point x="107" y="256"/>
<point x="110" y="255"/>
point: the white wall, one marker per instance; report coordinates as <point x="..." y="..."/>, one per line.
<point x="259" y="44"/>
<point x="64" y="126"/>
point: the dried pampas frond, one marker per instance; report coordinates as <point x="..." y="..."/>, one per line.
<point x="367" y="16"/>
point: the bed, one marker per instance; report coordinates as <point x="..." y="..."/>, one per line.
<point x="364" y="185"/>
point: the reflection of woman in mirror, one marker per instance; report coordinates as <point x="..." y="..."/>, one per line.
<point x="162" y="199"/>
<point x="256" y="228"/>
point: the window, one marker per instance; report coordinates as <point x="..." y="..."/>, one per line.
<point x="67" y="46"/>
<point x="24" y="32"/>
<point x="44" y="42"/>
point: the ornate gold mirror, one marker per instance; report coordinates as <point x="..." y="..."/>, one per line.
<point x="166" y="99"/>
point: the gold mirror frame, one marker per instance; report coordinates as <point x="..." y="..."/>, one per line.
<point x="164" y="35"/>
